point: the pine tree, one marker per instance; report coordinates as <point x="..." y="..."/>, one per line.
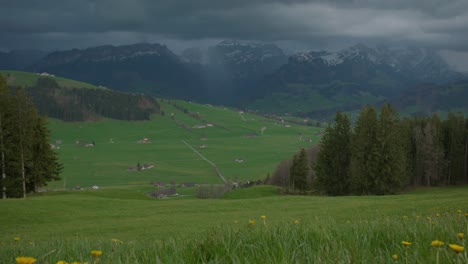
<point x="3" y="102"/>
<point x="44" y="166"/>
<point x="364" y="153"/>
<point x="454" y="137"/>
<point x="390" y="153"/>
<point x="299" y="170"/>
<point x="27" y="160"/>
<point x="334" y="158"/>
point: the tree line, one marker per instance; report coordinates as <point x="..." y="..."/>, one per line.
<point x="79" y="104"/>
<point x="381" y="154"/>
<point x="27" y="160"/>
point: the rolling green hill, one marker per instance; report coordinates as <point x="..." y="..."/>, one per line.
<point x="71" y="100"/>
<point x="227" y="135"/>
<point x="21" y="78"/>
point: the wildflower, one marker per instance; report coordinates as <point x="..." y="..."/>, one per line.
<point x="438" y="215"/>
<point x="251" y="222"/>
<point x="96" y="253"/>
<point x="466" y="214"/>
<point x="437" y="243"/>
<point x="456" y="248"/>
<point x="459" y="211"/>
<point x="116" y="241"/>
<point x="461" y="235"/>
<point x="406" y="243"/>
<point x="395" y="257"/>
<point x="296" y="222"/>
<point x="25" y="260"/>
<point x="17" y="239"/>
<point x="61" y="262"/>
<point x="263" y="217"/>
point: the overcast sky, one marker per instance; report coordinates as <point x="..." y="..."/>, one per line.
<point x="293" y="24"/>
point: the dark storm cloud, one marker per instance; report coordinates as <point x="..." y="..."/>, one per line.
<point x="64" y="24"/>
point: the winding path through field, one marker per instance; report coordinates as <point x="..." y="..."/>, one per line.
<point x="207" y="160"/>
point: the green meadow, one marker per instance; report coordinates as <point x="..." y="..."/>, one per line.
<point x="65" y="223"/>
<point x="117" y="148"/>
<point x="297" y="229"/>
<point x="20" y="78"/>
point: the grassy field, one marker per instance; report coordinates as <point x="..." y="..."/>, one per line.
<point x="20" y="78"/>
<point x="127" y="226"/>
<point x="68" y="225"/>
<point x="116" y="148"/>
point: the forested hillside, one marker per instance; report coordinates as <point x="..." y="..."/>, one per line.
<point x="84" y="103"/>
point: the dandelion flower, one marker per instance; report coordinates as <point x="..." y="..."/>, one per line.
<point x="251" y="222"/>
<point x="461" y="235"/>
<point x="116" y="241"/>
<point x="17" y="239"/>
<point x="296" y="222"/>
<point x="456" y="248"/>
<point x="406" y="243"/>
<point x="395" y="257"/>
<point x="25" y="260"/>
<point x="459" y="211"/>
<point x="437" y="243"/>
<point x="438" y="215"/>
<point x="61" y="262"/>
<point x="96" y="253"/>
<point x="263" y="217"/>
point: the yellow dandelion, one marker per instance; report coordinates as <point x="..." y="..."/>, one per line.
<point x="263" y="217"/>
<point x="96" y="253"/>
<point x="461" y="235"/>
<point x="61" y="262"/>
<point x="296" y="222"/>
<point x="406" y="243"/>
<point x="459" y="211"/>
<point x="25" y="260"/>
<point x="438" y="215"/>
<point x="251" y="222"/>
<point x="395" y="257"/>
<point x="456" y="248"/>
<point x="16" y="239"/>
<point x="437" y="243"/>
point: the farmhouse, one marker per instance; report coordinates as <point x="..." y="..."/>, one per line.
<point x="238" y="160"/>
<point x="144" y="141"/>
<point x="159" y="184"/>
<point x="163" y="193"/>
<point x="187" y="184"/>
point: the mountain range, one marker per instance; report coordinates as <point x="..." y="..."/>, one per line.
<point x="257" y="75"/>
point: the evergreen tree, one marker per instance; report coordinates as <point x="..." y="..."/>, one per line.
<point x="454" y="143"/>
<point x="364" y="153"/>
<point x="334" y="158"/>
<point x="3" y="102"/>
<point x="299" y="171"/>
<point x="389" y="153"/>
<point x="27" y="160"/>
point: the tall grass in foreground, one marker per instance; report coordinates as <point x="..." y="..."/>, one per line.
<point x="320" y="240"/>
